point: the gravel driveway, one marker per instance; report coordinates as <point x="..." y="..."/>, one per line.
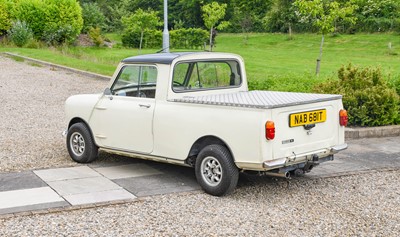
<point x="32" y="114"/>
<point x="32" y="118"/>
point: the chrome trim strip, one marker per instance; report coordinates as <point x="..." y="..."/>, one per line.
<point x="274" y="163"/>
<point x="338" y="148"/>
<point x="145" y="156"/>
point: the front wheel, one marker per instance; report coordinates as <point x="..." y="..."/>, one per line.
<point x="215" y="170"/>
<point x="80" y="144"/>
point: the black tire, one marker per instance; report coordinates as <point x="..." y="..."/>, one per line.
<point x="215" y="170"/>
<point x="80" y="144"/>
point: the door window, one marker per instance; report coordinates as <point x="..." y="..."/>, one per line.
<point x="136" y="81"/>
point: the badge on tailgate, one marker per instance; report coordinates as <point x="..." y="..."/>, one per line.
<point x="309" y="117"/>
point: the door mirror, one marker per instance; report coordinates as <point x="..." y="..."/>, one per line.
<point x="107" y="91"/>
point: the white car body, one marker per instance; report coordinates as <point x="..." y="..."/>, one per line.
<point x="179" y="121"/>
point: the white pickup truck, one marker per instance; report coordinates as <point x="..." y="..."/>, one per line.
<point x="194" y="109"/>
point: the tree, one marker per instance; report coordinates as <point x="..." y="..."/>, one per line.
<point x="251" y="12"/>
<point x="281" y="17"/>
<point x="324" y="15"/>
<point x="92" y="16"/>
<point x="213" y="13"/>
<point x="142" y="20"/>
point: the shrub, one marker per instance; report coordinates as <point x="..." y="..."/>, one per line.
<point x="190" y="38"/>
<point x="20" y="33"/>
<point x="92" y="16"/>
<point x="5" y="22"/>
<point x="395" y="83"/>
<point x="33" y="12"/>
<point x="368" y="98"/>
<point x="54" y="34"/>
<point x="151" y="38"/>
<point x="62" y="19"/>
<point x="96" y="37"/>
<point x="66" y="16"/>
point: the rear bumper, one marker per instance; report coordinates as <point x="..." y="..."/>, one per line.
<point x="315" y="157"/>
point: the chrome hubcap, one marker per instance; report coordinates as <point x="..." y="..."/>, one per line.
<point x="211" y="171"/>
<point x="77" y="143"/>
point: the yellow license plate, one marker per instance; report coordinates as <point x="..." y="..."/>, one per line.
<point x="309" y="117"/>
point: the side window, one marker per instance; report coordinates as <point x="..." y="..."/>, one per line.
<point x="136" y="81"/>
<point x="205" y="75"/>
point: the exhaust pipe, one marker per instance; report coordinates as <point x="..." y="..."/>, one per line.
<point x="281" y="175"/>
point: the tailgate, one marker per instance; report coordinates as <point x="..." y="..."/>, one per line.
<point x="305" y="128"/>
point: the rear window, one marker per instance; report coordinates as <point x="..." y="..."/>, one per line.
<point x="206" y="75"/>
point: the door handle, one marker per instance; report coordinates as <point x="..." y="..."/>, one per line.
<point x="144" y="105"/>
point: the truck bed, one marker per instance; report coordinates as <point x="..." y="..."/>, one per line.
<point x="259" y="99"/>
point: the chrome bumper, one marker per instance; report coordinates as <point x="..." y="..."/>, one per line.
<point x="314" y="156"/>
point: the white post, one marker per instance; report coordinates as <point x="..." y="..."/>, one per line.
<point x="165" y="32"/>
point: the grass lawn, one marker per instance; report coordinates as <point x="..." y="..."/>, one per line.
<point x="272" y="61"/>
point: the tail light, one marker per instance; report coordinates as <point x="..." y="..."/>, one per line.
<point x="343" y="118"/>
<point x="269" y="130"/>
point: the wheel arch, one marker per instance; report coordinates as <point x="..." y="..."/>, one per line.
<point x="80" y="120"/>
<point x="202" y="142"/>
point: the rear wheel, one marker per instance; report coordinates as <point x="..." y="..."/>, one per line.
<point x="215" y="170"/>
<point x="80" y="144"/>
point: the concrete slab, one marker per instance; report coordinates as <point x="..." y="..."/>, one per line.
<point x="25" y="197"/>
<point x="96" y="197"/>
<point x="35" y="207"/>
<point x="157" y="184"/>
<point x="127" y="171"/>
<point x="49" y="175"/>
<point x="85" y="185"/>
<point x="20" y="180"/>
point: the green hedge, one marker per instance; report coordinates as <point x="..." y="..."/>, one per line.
<point x="191" y="38"/>
<point x="151" y="38"/>
<point x="369" y="99"/>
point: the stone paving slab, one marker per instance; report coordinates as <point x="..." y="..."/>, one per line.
<point x="157" y="184"/>
<point x="101" y="196"/>
<point x="34" y="207"/>
<point x="127" y="171"/>
<point x="20" y="180"/>
<point x="85" y="185"/>
<point x="25" y="197"/>
<point x="66" y="173"/>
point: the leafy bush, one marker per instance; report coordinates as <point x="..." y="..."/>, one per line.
<point x="66" y="15"/>
<point x="96" y="37"/>
<point x="5" y="22"/>
<point x="32" y="12"/>
<point x="54" y="34"/>
<point x="395" y="83"/>
<point x="368" y="98"/>
<point x="190" y="38"/>
<point x="20" y="33"/>
<point x="92" y="16"/>
<point x="151" y="38"/>
<point x="62" y="19"/>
